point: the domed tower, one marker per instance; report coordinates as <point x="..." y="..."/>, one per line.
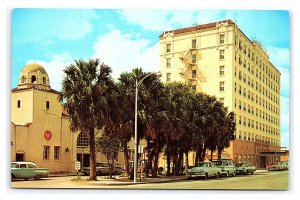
<point x="34" y="75"/>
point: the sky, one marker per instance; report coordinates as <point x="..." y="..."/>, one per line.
<point x="125" y="39"/>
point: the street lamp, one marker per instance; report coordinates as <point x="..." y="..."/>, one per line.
<point x="137" y="84"/>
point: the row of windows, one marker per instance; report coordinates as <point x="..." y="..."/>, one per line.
<point x="258" y="61"/>
<point x="246" y="158"/>
<point x="258" y="87"/>
<point x="194" y="43"/>
<point x="261" y="77"/>
<point x="250" y="137"/>
<point x="46" y="152"/>
<point x="47" y="105"/>
<point x="258" y="100"/>
<point x="33" y="79"/>
<point x="258" y="113"/>
<point x="258" y="125"/>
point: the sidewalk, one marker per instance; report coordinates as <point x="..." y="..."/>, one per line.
<point x="124" y="181"/>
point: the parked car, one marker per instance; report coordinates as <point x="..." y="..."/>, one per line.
<point x="276" y="167"/>
<point x="245" y="168"/>
<point x="286" y="164"/>
<point x="227" y="167"/>
<point x="27" y="170"/>
<point x="102" y="169"/>
<point x="205" y="170"/>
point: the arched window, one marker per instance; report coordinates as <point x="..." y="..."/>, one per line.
<point x="33" y="79"/>
<point x="23" y="79"/>
<point x="44" y="80"/>
<point x="83" y="140"/>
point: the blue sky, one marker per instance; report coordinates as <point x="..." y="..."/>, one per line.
<point x="125" y="39"/>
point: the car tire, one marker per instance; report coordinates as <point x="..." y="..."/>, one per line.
<point x="37" y="177"/>
<point x="252" y="172"/>
<point x="206" y="176"/>
<point x="12" y="177"/>
<point x="227" y="174"/>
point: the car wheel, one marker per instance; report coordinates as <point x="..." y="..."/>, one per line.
<point x="26" y="179"/>
<point x="227" y="174"/>
<point x="37" y="177"/>
<point x="206" y="176"/>
<point x="252" y="172"/>
<point x="12" y="177"/>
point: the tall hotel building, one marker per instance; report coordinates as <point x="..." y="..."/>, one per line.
<point x="219" y="59"/>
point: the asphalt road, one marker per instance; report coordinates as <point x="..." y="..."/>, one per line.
<point x="258" y="181"/>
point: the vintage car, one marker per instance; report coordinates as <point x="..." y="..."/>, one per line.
<point x="205" y="170"/>
<point x="27" y="170"/>
<point x="102" y="169"/>
<point x="277" y="167"/>
<point x="285" y="164"/>
<point x="245" y="168"/>
<point x="227" y="167"/>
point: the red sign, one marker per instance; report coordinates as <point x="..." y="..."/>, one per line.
<point x="47" y="135"/>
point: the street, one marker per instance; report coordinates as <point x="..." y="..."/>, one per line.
<point x="277" y="180"/>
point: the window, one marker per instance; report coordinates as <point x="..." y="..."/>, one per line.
<point x="83" y="140"/>
<point x="19" y="104"/>
<point x="194" y="58"/>
<point x="221" y="86"/>
<point x="222" y="100"/>
<point x="194" y="73"/>
<point x="23" y="79"/>
<point x="194" y="43"/>
<point x="56" y="153"/>
<point x="44" y="80"/>
<point x="194" y="87"/>
<point x="168" y="47"/>
<point x="168" y="62"/>
<point x="222" y="52"/>
<point x="46" y="152"/>
<point x="168" y="77"/>
<point x="222" y="38"/>
<point x="33" y="79"/>
<point x="222" y="67"/>
<point x="47" y="105"/>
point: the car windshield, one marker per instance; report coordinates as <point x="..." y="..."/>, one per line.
<point x="202" y="165"/>
<point x="14" y="165"/>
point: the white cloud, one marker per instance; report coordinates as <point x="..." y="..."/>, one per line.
<point x="123" y="53"/>
<point x="54" y="68"/>
<point x="280" y="57"/>
<point x="162" y="20"/>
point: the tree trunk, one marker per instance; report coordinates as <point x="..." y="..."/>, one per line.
<point x="155" y="165"/>
<point x="186" y="162"/>
<point x="219" y="153"/>
<point x="92" y="155"/>
<point x="126" y="159"/>
<point x="168" y="164"/>
<point x="179" y="163"/>
<point x="211" y="155"/>
<point x="203" y="154"/>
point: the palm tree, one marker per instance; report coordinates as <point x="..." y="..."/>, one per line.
<point x="85" y="96"/>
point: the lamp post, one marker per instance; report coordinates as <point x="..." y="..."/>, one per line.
<point x="137" y="84"/>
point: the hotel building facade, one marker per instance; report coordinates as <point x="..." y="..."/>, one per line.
<point x="219" y="59"/>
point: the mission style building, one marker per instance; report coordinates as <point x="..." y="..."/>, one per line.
<point x="219" y="59"/>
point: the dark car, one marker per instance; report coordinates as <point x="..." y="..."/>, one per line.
<point x="102" y="169"/>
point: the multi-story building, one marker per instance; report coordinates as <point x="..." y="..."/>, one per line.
<point x="219" y="59"/>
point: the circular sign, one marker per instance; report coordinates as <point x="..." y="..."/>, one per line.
<point x="47" y="135"/>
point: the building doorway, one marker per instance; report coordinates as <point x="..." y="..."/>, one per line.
<point x="84" y="159"/>
<point x="20" y="157"/>
<point x="263" y="160"/>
